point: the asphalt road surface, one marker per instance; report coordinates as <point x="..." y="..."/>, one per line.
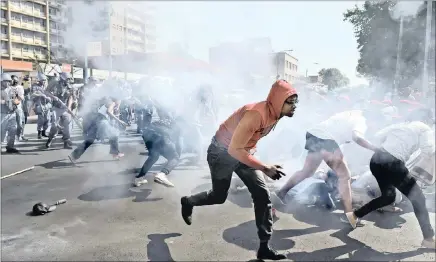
<point x="106" y="219"/>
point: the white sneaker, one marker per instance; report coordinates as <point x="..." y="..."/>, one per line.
<point x="140" y="181"/>
<point x="72" y="159"/>
<point x="351" y="219"/>
<point x="162" y="179"/>
<point x="429" y="243"/>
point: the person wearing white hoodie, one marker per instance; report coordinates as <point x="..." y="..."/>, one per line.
<point x="398" y="143"/>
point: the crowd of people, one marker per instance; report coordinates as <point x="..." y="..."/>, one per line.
<point x="392" y="133"/>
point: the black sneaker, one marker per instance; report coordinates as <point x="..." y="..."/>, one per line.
<point x="48" y="144"/>
<point x="186" y="210"/>
<point x="12" y="150"/>
<point x="265" y="252"/>
<point x="43" y="133"/>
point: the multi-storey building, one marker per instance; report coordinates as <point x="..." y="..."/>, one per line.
<point x="287" y="66"/>
<point x="131" y="28"/>
<point x="30" y="30"/>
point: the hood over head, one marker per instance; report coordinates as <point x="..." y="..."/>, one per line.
<point x="280" y="91"/>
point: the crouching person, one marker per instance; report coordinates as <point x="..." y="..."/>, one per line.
<point x="398" y="142"/>
<point x="161" y="138"/>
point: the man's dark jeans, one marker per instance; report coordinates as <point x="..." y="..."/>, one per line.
<point x="222" y="166"/>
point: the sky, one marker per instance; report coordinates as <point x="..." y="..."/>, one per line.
<point x="315" y="30"/>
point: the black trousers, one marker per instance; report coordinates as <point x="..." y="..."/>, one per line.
<point x="222" y="166"/>
<point x="392" y="173"/>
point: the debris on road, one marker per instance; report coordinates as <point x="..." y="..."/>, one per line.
<point x="42" y="208"/>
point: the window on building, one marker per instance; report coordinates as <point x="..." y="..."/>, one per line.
<point x="16" y="32"/>
<point x="25" y="48"/>
<point x="4" y="14"/>
<point x="296" y="68"/>
<point x="4" y="30"/>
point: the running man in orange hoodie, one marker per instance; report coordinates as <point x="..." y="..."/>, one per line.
<point x="232" y="149"/>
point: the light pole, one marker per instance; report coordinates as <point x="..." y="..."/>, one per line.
<point x="427" y="47"/>
<point x="277" y="61"/>
<point x="397" y="67"/>
<point x="307" y="69"/>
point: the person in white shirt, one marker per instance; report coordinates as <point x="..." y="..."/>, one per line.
<point x="398" y="143"/>
<point x="323" y="143"/>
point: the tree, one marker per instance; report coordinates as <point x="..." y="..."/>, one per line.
<point x="377" y="33"/>
<point x="333" y="78"/>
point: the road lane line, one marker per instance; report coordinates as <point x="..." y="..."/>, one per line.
<point x="18" y="172"/>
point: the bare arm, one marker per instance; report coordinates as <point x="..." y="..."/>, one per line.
<point x="248" y="125"/>
<point x="361" y="141"/>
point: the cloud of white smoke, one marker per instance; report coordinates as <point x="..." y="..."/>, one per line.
<point x="233" y="85"/>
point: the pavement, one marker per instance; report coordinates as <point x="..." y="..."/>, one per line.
<point x="106" y="219"/>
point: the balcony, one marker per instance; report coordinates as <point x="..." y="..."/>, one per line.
<point x="5" y="52"/>
<point x="38" y="13"/>
<point x="135" y="38"/>
<point x="16" y="38"/>
<point x="15" y="8"/>
<point x="27" y="11"/>
<point x="27" y="40"/>
<point x="55" y="31"/>
<point x="17" y="53"/>
<point x="5" y="37"/>
<point x="27" y="25"/>
<point x="4" y="20"/>
<point x="15" y="23"/>
<point x="39" y="42"/>
<point x="39" y="2"/>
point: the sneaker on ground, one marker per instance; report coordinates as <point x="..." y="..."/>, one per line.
<point x="429" y="243"/>
<point x="117" y="156"/>
<point x="350" y="219"/>
<point x="139" y="181"/>
<point x="162" y="179"/>
<point x="72" y="159"/>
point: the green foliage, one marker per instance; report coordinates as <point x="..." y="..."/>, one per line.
<point x="333" y="78"/>
<point x="377" y="36"/>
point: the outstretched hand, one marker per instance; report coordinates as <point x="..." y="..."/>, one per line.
<point x="274" y="172"/>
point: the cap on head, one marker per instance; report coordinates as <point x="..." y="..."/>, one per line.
<point x="6" y="77"/>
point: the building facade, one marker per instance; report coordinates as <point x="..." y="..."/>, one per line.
<point x="131" y="29"/>
<point x="30" y="30"/>
<point x="286" y="66"/>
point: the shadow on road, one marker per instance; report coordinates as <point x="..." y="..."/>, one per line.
<point x="354" y="249"/>
<point x="157" y="249"/>
<point x="65" y="163"/>
<point x="245" y="236"/>
<point x="118" y="192"/>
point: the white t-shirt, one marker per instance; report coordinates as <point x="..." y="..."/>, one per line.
<point x="340" y="126"/>
<point x="402" y="140"/>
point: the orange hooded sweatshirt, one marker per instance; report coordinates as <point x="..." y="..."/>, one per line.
<point x="241" y="131"/>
